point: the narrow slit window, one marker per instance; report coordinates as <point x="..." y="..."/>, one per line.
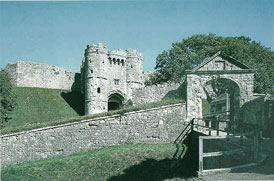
<point x="91" y="71"/>
<point x="98" y="90"/>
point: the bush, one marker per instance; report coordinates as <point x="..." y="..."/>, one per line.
<point x="7" y="98"/>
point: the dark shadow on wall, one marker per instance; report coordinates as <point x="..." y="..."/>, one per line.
<point x="180" y="166"/>
<point x="179" y="93"/>
<point x="76" y="86"/>
<point x="267" y="167"/>
<point x="75" y="100"/>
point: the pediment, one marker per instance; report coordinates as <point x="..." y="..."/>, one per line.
<point x="220" y="62"/>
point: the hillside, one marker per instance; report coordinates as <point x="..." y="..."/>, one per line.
<point x="38" y="105"/>
<point x="126" y="162"/>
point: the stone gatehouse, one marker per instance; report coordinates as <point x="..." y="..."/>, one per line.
<point x="233" y="74"/>
<point x="109" y="76"/>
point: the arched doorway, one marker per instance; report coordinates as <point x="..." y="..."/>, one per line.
<point x="115" y="102"/>
<point x="224" y="95"/>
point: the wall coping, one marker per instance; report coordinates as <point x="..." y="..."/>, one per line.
<point x="189" y="72"/>
<point x="91" y="119"/>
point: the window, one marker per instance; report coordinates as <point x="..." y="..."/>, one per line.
<point x="123" y="62"/>
<point x="118" y="61"/>
<point x="98" y="90"/>
<point x="114" y="61"/>
<point x="91" y="71"/>
<point x="116" y="81"/>
<point x="110" y="61"/>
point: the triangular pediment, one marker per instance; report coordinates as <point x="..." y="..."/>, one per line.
<point x="220" y="62"/>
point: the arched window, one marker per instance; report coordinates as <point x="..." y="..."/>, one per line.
<point x="118" y="61"/>
<point x="110" y="61"/>
<point x="114" y="61"/>
<point x="123" y="62"/>
<point x="98" y="90"/>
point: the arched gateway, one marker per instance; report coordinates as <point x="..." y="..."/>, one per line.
<point x="234" y="75"/>
<point x="115" y="101"/>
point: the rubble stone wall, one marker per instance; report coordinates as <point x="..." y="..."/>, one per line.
<point x="30" y="74"/>
<point x="156" y="93"/>
<point x="161" y="124"/>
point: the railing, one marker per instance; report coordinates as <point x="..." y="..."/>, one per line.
<point x="185" y="132"/>
<point x="255" y="147"/>
<point x="236" y="132"/>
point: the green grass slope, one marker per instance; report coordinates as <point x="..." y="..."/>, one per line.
<point x="126" y="162"/>
<point x="37" y="106"/>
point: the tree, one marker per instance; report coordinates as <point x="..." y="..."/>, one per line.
<point x="190" y="52"/>
<point x="7" y="98"/>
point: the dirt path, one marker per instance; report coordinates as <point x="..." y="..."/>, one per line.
<point x="263" y="172"/>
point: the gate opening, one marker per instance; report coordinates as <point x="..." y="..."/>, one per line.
<point x="115" y="102"/>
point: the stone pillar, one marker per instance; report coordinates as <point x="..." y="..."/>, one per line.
<point x="194" y="97"/>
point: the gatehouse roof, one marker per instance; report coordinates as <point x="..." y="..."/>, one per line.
<point x="232" y="62"/>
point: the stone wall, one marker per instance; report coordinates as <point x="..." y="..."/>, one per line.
<point x="30" y="74"/>
<point x="259" y="111"/>
<point x="156" y="93"/>
<point x="162" y="124"/>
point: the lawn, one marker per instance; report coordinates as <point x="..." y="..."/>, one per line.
<point x="126" y="162"/>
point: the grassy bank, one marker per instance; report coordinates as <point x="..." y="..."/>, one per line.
<point x="127" y="162"/>
<point x="37" y="107"/>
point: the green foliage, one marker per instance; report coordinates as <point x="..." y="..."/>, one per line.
<point x="38" y="107"/>
<point x="7" y="98"/>
<point x="126" y="162"/>
<point x="190" y="52"/>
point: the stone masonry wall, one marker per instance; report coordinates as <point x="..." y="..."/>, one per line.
<point x="156" y="93"/>
<point x="30" y="74"/>
<point x="162" y="124"/>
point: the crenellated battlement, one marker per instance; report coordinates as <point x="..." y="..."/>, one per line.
<point x="133" y="53"/>
<point x="118" y="56"/>
<point x="99" y="49"/>
<point x="118" y="53"/>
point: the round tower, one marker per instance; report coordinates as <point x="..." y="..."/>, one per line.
<point x="134" y="70"/>
<point x="95" y="80"/>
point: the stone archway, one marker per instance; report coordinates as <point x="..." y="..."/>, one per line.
<point x="220" y="86"/>
<point x="115" y="101"/>
<point x="222" y="67"/>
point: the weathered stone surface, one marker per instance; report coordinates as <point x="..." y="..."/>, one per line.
<point x="219" y="67"/>
<point x="156" y="93"/>
<point x="106" y="73"/>
<point x="162" y="124"/>
<point x="30" y="74"/>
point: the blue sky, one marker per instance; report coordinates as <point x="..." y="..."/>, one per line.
<point x="56" y="33"/>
